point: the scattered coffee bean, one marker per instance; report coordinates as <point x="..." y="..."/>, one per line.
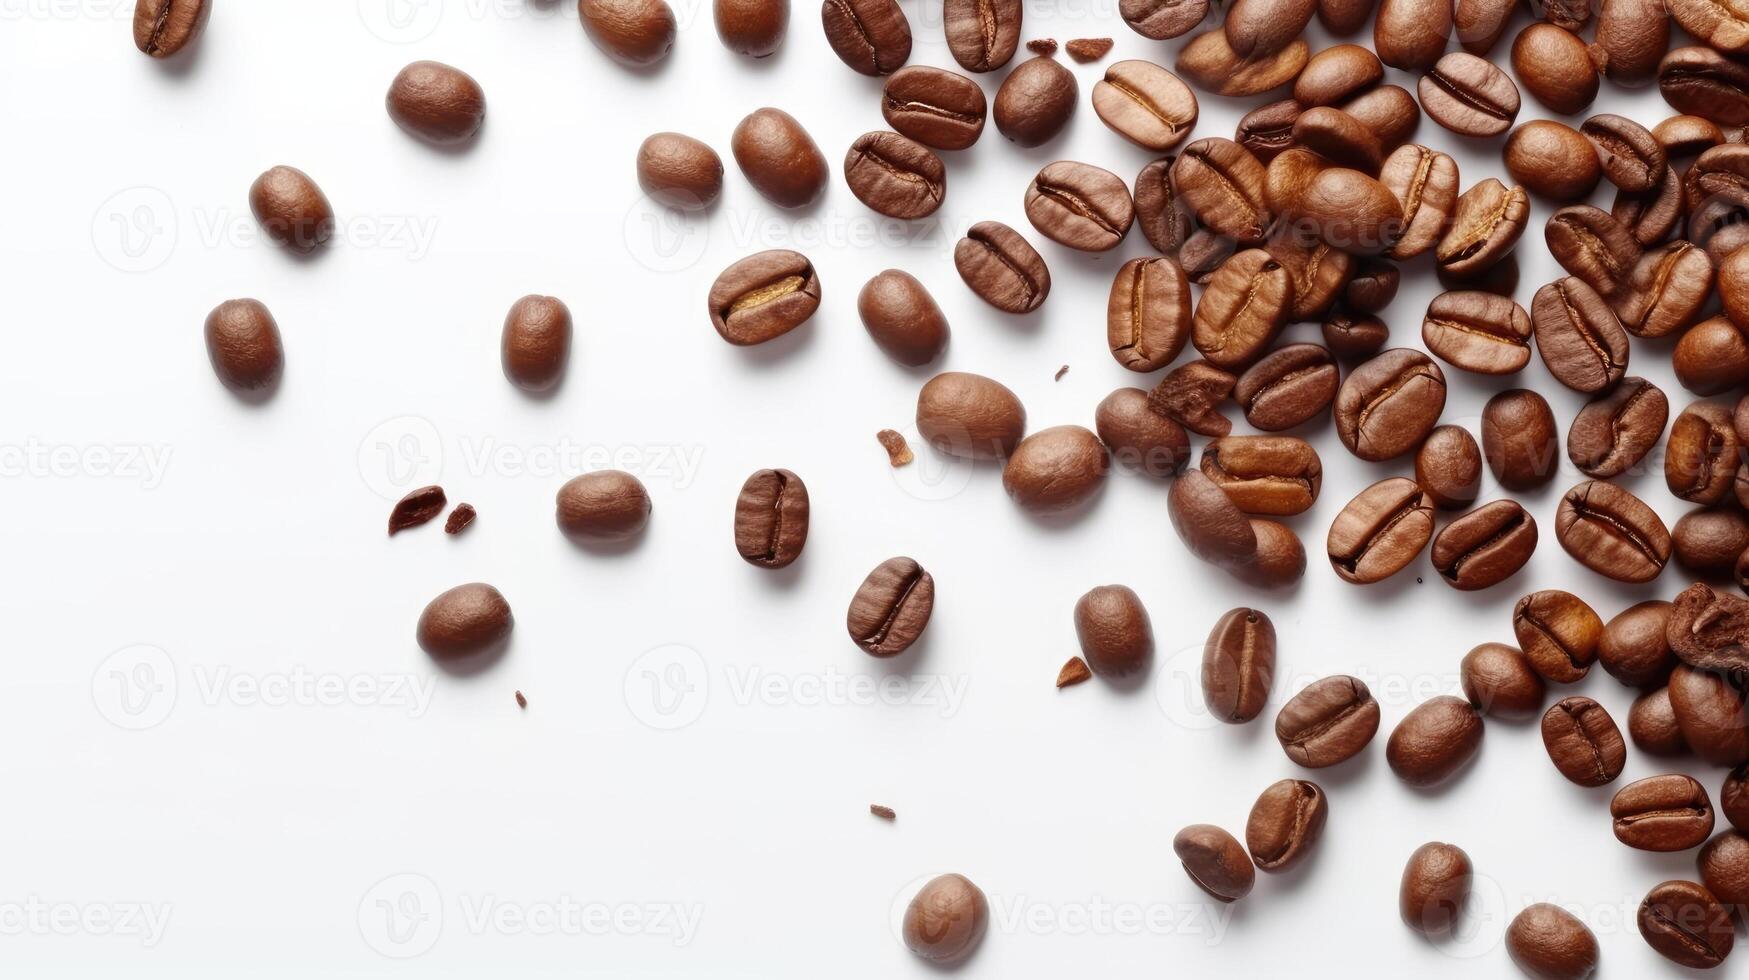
<point x="1044" y="47"/>
<point x="1662" y="813"/>
<point x="679" y="171"/>
<point x="1709" y="629"/>
<point x="1634" y="649"/>
<point x="1559" y="633"/>
<point x="1709" y="709"/>
<point x="1632" y="158"/>
<point x="1287" y="819"/>
<point x="1484" y="547"/>
<point x="1436" y="886"/>
<point x="164" y="27"/>
<point x="1667" y="290"/>
<point x="891" y="607"/>
<point x="1708" y="541"/>
<point x="1724" y="867"/>
<point x="521" y="701"/>
<point x="1389" y="111"/>
<point x="1191" y="395"/>
<point x="416" y="508"/>
<point x="1328" y="722"/>
<point x="1651" y="216"/>
<point x="244" y="346"/>
<point x="467" y="621"/>
<point x="1160" y="214"/>
<point x="1411" y="34"/>
<point x="1479" y="24"/>
<point x="1724" y="27"/>
<point x="764" y="296"/>
<point x="1448" y="466"/>
<point x="1056" y="470"/>
<point x="903" y="318"/>
<point x="1499" y="682"/>
<point x="898" y="452"/>
<point x="1355" y="337"/>
<point x="1652" y="725"/>
<point x="536" y="343"/>
<point x="1145" y="104"/>
<point x="634" y="33"/>
<point x="1221" y="183"/>
<point x="1338" y="137"/>
<point x="1002" y="268"/>
<point x="1612" y="532"/>
<point x="1073" y="672"/>
<point x="606" y="505"/>
<point x="1288" y="387"/>
<point x="1208" y="522"/>
<point x="1685" y="924"/>
<point x="1583" y="742"/>
<point x="1147" y="316"/>
<point x="1477" y="331"/>
<point x="1519" y="439"/>
<point x="1210" y="63"/>
<point x="460" y="519"/>
<point x="751" y="27"/>
<point x="1469" y="96"/>
<point x="1244" y="306"/>
<point x="895" y="176"/>
<point x="437" y="103"/>
<point x="1553" y="160"/>
<point x="1701" y="454"/>
<point x="1703" y="82"/>
<point x="934" y="107"/>
<point x="970" y="415"/>
<point x="1162" y="19"/>
<point x="946" y="920"/>
<point x="1389" y="404"/>
<point x="1555" y="68"/>
<point x="1579" y="337"/>
<point x="1426" y="183"/>
<point x="1274" y="475"/>
<point x="1352" y="211"/>
<point x="771" y="519"/>
<point x="1035" y="101"/>
<point x="1434" y="741"/>
<point x="1319" y="272"/>
<point x="1712" y="357"/>
<point x="779" y="158"/>
<point x="871" y="36"/>
<point x="1487" y="222"/>
<point x="1614" y="432"/>
<point x="1215" y="860"/>
<point x="1080" y="205"/>
<point x="292" y="209"/>
<point x="1139" y="438"/>
<point x="1380" y="531"/>
<point x="1088" y="48"/>
<point x="982" y="34"/>
<point x="1335" y="75"/>
<point x="1116" y="636"/>
<point x="1549" y="942"/>
<point x="1589" y="243"/>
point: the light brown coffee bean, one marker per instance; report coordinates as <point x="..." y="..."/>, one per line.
<point x="1216" y="861"/>
<point x="1192" y="394"/>
<point x="1486" y="223"/>
<point x="764" y="296"/>
<point x="1330" y="721"/>
<point x="902" y="318"/>
<point x="969" y="415"/>
<point x="1499" y="682"/>
<point x="1634" y="649"/>
<point x="1614" y="432"/>
<point x="1238" y="665"/>
<point x="1080" y="205"/>
<point x="468" y="621"/>
<point x="1652" y="725"/>
<point x="1411" y="34"/>
<point x="1702" y="454"/>
<point x="164" y="27"/>
<point x="1478" y="331"/>
<point x="292" y="209"/>
<point x="1595" y="248"/>
<point x="1435" y="888"/>
<point x="1337" y="74"/>
<point x="1555" y="68"/>
<point x="1469" y="96"/>
<point x="1549" y="942"/>
<point x="244" y="346"/>
<point x="1210" y="63"/>
<point x="1290" y="386"/>
<point x="1723" y="26"/>
<point x="679" y="171"/>
<point x="1056" y="470"/>
<point x="1448" y="466"/>
<point x="1484" y="547"/>
<point x="1666" y="291"/>
<point x="1259" y="28"/>
<point x="1519" y="439"/>
<point x="1139" y="438"/>
<point x="536" y="344"/>
<point x="1245" y="305"/>
<point x="1278" y="562"/>
<point x="1389" y="404"/>
<point x="1380" y="531"/>
<point x="1434" y="741"/>
<point x="1553" y="160"/>
<point x="1352" y="211"/>
<point x="1148" y="314"/>
<point x="1287" y="819"/>
<point x="1583" y="742"/>
<point x="771" y="519"/>
<point x="606" y="505"/>
<point x="1285" y="182"/>
<point x="1145" y="104"/>
<point x="1670" y="812"/>
<point x="1426" y="183"/>
<point x="779" y="158"/>
<point x="635" y="33"/>
<point x="1579" y="337"/>
<point x="1612" y="532"/>
<point x="1338" y="137"/>
<point x="1208" y="522"/>
<point x="1274" y="475"/>
<point x="1559" y="634"/>
<point x="946" y="920"/>
<point x="1114" y="631"/>
<point x="1633" y="36"/>
<point x="1035" y="101"/>
<point x="1389" y="111"/>
<point x="1221" y="183"/>
<point x="891" y="608"/>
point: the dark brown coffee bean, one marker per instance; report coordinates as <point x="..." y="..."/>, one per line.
<point x="1328" y="722"/>
<point x="1499" y="682"/>
<point x="467" y="621"/>
<point x="536" y="344"/>
<point x="1721" y="26"/>
<point x="1338" y="137"/>
<point x="1478" y="331"/>
<point x="1479" y="24"/>
<point x="679" y="171"/>
<point x="1484" y="547"/>
<point x="1667" y="290"/>
<point x="1080" y="205"/>
<point x="1435" y="888"/>
<point x="1411" y="34"/>
<point x="634" y="33"/>
<point x="891" y="607"/>
<point x="1583" y="742"/>
<point x="751" y="27"/>
<point x="1448" y="466"/>
<point x="1287" y="819"/>
<point x="771" y="519"/>
<point x="1288" y="387"/>
<point x="1631" y="157"/>
<point x="871" y="36"/>
<point x="437" y="103"/>
<point x="1139" y="438"/>
<point x="1114" y="631"/>
<point x="1613" y="433"/>
<point x="1519" y="439"/>
<point x="1709" y="629"/>
<point x="1579" y="337"/>
<point x="1685" y="924"/>
<point x="1434" y="741"/>
<point x="1056" y="470"/>
<point x="1162" y="19"/>
<point x="1389" y="111"/>
<point x="1724" y="867"/>
<point x="946" y="920"/>
<point x="1559" y="634"/>
<point x="1716" y="194"/>
<point x="903" y="318"/>
<point x="1550" y="943"/>
<point x="1145" y="104"/>
<point x="292" y="209"/>
<point x="764" y="296"/>
<point x="1216" y="861"/>
<point x="1210" y="63"/>
<point x="1632" y="35"/>
<point x="1652" y="215"/>
<point x="1208" y="522"/>
<point x="1734" y="797"/>
<point x="895" y="176"/>
<point x="982" y="34"/>
<point x="970" y="415"/>
<point x="1612" y="532"/>
<point x="1238" y="665"/>
<point x="1389" y="404"/>
<point x="1352" y="211"/>
<point x="1160" y="214"/>
<point x="460" y="519"/>
<point x="1035" y="101"/>
<point x="1652" y="725"/>
<point x="1702" y="454"/>
<point x="1684" y="137"/>
<point x="1268" y="131"/>
<point x="1486" y="223"/>
<point x="606" y="505"/>
<point x="779" y="158"/>
<point x="1555" y="68"/>
<point x="1426" y="183"/>
<point x="1148" y="314"/>
<point x="1192" y="395"/>
<point x="1469" y="96"/>
<point x="1634" y="649"/>
<point x="1380" y="531"/>
<point x="1274" y="475"/>
<point x="1708" y="541"/>
<point x="243" y="344"/>
<point x="416" y="508"/>
<point x="1278" y="562"/>
<point x="1593" y="246"/>
<point x="1002" y="268"/>
<point x="1712" y="357"/>
<point x="1703" y="82"/>
<point x="1710" y="710"/>
<point x="1355" y="337"/>
<point x="1553" y="160"/>
<point x="1221" y="183"/>
<point x="1335" y="75"/>
<point x="164" y="27"/>
<point x="1662" y="813"/>
<point x="934" y="107"/>
<point x="1245" y="305"/>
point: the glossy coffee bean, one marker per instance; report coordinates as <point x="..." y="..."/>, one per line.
<point x="1035" y="101"/>
<point x="1633" y="648"/>
<point x="1389" y="404"/>
<point x="1709" y="708"/>
<point x="1662" y="813"/>
<point x="1555" y="68"/>
<point x="1287" y="819"/>
<point x="1486" y="223"/>
<point x="1411" y="34"/>
<point x="1162" y="19"/>
<point x="1002" y="268"/>
<point x="1708" y="629"/>
<point x="1632" y="36"/>
<point x="468" y="620"/>
<point x="1667" y="290"/>
<point x="1056" y="470"/>
<point x="903" y="318"/>
<point x="1139" y="438"/>
<point x="1388" y="110"/>
<point x="779" y="158"/>
<point x="606" y="505"/>
<point x="1478" y="331"/>
<point x="764" y="296"/>
<point x="1559" y="633"/>
<point x="1650" y="216"/>
<point x="1278" y="562"/>
<point x="771" y="519"/>
<point x="1352" y="211"/>
<point x="1589" y="243"/>
<point x="1712" y="357"/>
<point x="934" y="107"/>
<point x="1612" y="532"/>
<point x="1425" y="182"/>
<point x="1552" y="160"/>
<point x="1519" y="439"/>
<point x="292" y="209"/>
<point x="1498" y="681"/>
<point x="1221" y="183"/>
<point x="1243" y="308"/>
<point x="1274" y="475"/>
<point x="1652" y="726"/>
<point x="1703" y="82"/>
<point x="1080" y="205"/>
<point x="1238" y="665"/>
<point x="1469" y="96"/>
<point x="891" y="608"/>
<point x="1434" y="741"/>
<point x="1330" y="721"/>
<point x="1355" y="337"/>
<point x="1734" y="797"/>
<point x="1479" y="24"/>
<point x="1338" y="137"/>
<point x="1288" y="387"/>
<point x="895" y="176"/>
<point x="679" y="171"/>
<point x="1583" y="742"/>
<point x="634" y="33"/>
<point x="1484" y="547"/>
<point x="164" y="27"/>
<point x="982" y="34"/>
<point x="1216" y="861"/>
<point x="1380" y="531"/>
<point x="437" y="103"/>
<point x="244" y="346"/>
<point x="1724" y="27"/>
<point x="1257" y="28"/>
<point x="1435" y="888"/>
<point x="1701" y="454"/>
<point x="872" y="37"/>
<point x="1210" y="63"/>
<point x="1112" y="626"/>
<point x="1319" y="272"/>
<point x="1708" y="541"/>
<point x="946" y="920"/>
<point x="1550" y="943"/>
<point x="970" y="415"/>
<point x="1148" y="313"/>
<point x="1578" y="336"/>
<point x="1344" y="17"/>
<point x="536" y="345"/>
<point x="1145" y="104"/>
<point x="1614" y="432"/>
<point x="1685" y="924"/>
<point x="1160" y="214"/>
<point x="1448" y="467"/>
<point x="1632" y="159"/>
<point x="751" y="27"/>
<point x="1192" y="395"/>
<point x="1724" y="867"/>
<point x="1337" y="74"/>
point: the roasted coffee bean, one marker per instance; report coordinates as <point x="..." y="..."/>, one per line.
<point x="536" y="344"/>
<point x="1448" y="466"/>
<point x="460" y="519"/>
<point x="1721" y="26"/>
<point x="634" y="33"/>
<point x="1479" y="24"/>
<point x="751" y="27"/>
<point x="1162" y="19"/>
<point x="1238" y="665"/>
<point x="1684" y="137"/>
<point x="1355" y="338"/>
<point x="1290" y="386"/>
<point x="1056" y="470"/>
<point x="1632" y="36"/>
<point x="895" y="176"/>
<point x="1210" y="63"/>
<point x="1705" y="83"/>
<point x="1612" y="532"/>
<point x="1702" y="454"/>
<point x="1389" y="404"/>
<point x="779" y="158"/>
<point x="1284" y="183"/>
<point x="1734" y="797"/>
<point x="1501" y="278"/>
<point x="934" y="107"/>
<point x="1559" y="634"/>
<point x="1192" y="395"/>
<point x="606" y="505"/>
<point x="1734" y="285"/>
<point x="1478" y="331"/>
<point x="1114" y="631"/>
<point x="1287" y="819"/>
<point x="1245" y="305"/>
<point x="946" y="920"/>
<point x="1319" y="272"/>
<point x="1380" y="531"/>
<point x="764" y="296"/>
<point x="1411" y="34"/>
<point x="1469" y="96"/>
<point x="1486" y="223"/>
<point x="437" y="103"/>
<point x="970" y="415"/>
<point x="1338" y="137"/>
<point x="771" y="519"/>
<point x="1652" y="215"/>
<point x="1552" y="160"/>
<point x="1426" y="183"/>
<point x="1259" y="28"/>
<point x="1712" y="357"/>
<point x="1435" y="888"/>
<point x="1278" y="562"/>
<point x="679" y="171"/>
<point x="1499" y="682"/>
<point x="1002" y="268"/>
<point x="1652" y="725"/>
<point x="1519" y="439"/>
<point x="1634" y="649"/>
<point x="871" y="36"/>
<point x="1724" y="867"/>
<point x="1631" y="157"/>
<point x="1222" y="185"/>
<point x="1274" y="475"/>
<point x="1352" y="211"/>
<point x="1208" y="522"/>
<point x="416" y="508"/>
<point x="1579" y="337"/>
<point x="903" y="318"/>
<point x="1593" y="246"/>
<point x="1709" y="540"/>
<point x="1080" y="205"/>
<point x="164" y="27"/>
<point x="1485" y="547"/>
<point x="1145" y="104"/>
<point x="1583" y="742"/>
<point x="1434" y="741"/>
<point x="1662" y="813"/>
<point x="292" y="209"/>
<point x="891" y="608"/>
<point x="1715" y="193"/>
<point x="243" y="344"/>
<point x="1336" y="74"/>
<point x="1159" y="213"/>
<point x="1550" y="943"/>
<point x="1344" y="17"/>
<point x="1035" y="101"/>
<point x="1667" y="290"/>
<point x="1328" y="722"/>
<point x="1215" y="860"/>
<point x="467" y="621"/>
<point x="1709" y="629"/>
<point x="1555" y="68"/>
<point x="1685" y="924"/>
<point x="982" y="34"/>
<point x="1203" y="253"/>
<point x="1372" y="288"/>
<point x="1389" y="111"/>
<point x="1614" y="432"/>
<point x="1139" y="438"/>
<point x="1268" y="130"/>
<point x="1709" y="709"/>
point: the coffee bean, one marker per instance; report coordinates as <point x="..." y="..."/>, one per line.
<point x="1290" y="386"/>
<point x="1344" y="17"/>
<point x="1002" y="268"/>
<point x="1056" y="470"/>
<point x="243" y="344"/>
<point x="1389" y="404"/>
<point x="1284" y="184"/>
<point x="1434" y="741"/>
<point x="1210" y="63"/>
<point x="1631" y="157"/>
<point x="679" y="171"/>
<point x="1411" y="34"/>
<point x="1287" y="819"/>
<point x="903" y="318"/>
<point x="1426" y="183"/>
<point x="1448" y="466"/>
<point x="1191" y="395"/>
<point x="164" y="27"/>
<point x="1035" y="101"/>
<point x="1734" y="285"/>
<point x="1712" y="357"/>
<point x="1275" y="475"/>
<point x="1583" y="742"/>
<point x="1221" y="183"/>
<point x="1114" y="631"/>
<point x="1259" y="28"/>
<point x="1338" y="137"/>
<point x="1215" y="860"/>
<point x="1278" y="562"/>
<point x="467" y="621"/>
<point x="1579" y="337"/>
<point x="1701" y="454"/>
<point x="946" y="920"/>
<point x="895" y="176"/>
<point x="1268" y="130"/>
<point x="1667" y="290"/>
<point x="1145" y="104"/>
<point x="1389" y="111"/>
<point x="1352" y="211"/>
<point x="1614" y="432"/>
<point x="1734" y="797"/>
<point x="1559" y="634"/>
<point x="779" y="158"/>
<point x="1469" y="96"/>
<point x="1501" y="278"/>
<point x="1147" y="317"/>
<point x="1650" y="216"/>
<point x="970" y="415"/>
<point x="1335" y="75"/>
<point x="1484" y="547"/>
<point x="1162" y="19"/>
<point x="982" y="34"/>
<point x="771" y="519"/>
<point x="416" y="508"/>
<point x="1519" y="440"/>
<point x="1478" y="331"/>
<point x="764" y="296"/>
<point x="1593" y="246"/>
<point x="536" y="344"/>
<point x="1485" y="225"/>
<point x="1722" y="26"/>
<point x="1710" y="710"/>
<point x="1380" y="531"/>
<point x="1238" y="665"/>
<point x="1328" y="722"/>
<point x="1652" y="725"/>
<point x="1160" y="214"/>
<point x="1703" y="82"/>
<point x="1318" y="271"/>
<point x="1662" y="813"/>
<point x="1208" y="522"/>
<point x="1684" y="137"/>
<point x="1708" y="629"/>
<point x="1552" y="160"/>
<point x="1549" y="942"/>
<point x="1498" y="681"/>
<point x="751" y="27"/>
<point x="891" y="607"/>
<point x="1479" y="24"/>
<point x="606" y="505"/>
<point x="1435" y="889"/>
<point x="292" y="209"/>
<point x="1612" y="532"/>
<point x="1724" y="867"/>
<point x="934" y="107"/>
<point x="1708" y="541"/>
<point x="1245" y="305"/>
<point x="1634" y="649"/>
<point x="871" y="36"/>
<point x="1139" y="438"/>
<point x="1080" y="205"/>
<point x="1555" y="68"/>
<point x="437" y="103"/>
<point x="1632" y="36"/>
<point x="1714" y="188"/>
<point x="1685" y="924"/>
<point x="1355" y="338"/>
<point x="634" y="33"/>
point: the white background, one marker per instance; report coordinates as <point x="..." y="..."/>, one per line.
<point x="278" y="834"/>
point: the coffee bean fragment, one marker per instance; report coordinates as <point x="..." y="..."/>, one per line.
<point x="1044" y="47"/>
<point x="1073" y="672"/>
<point x="416" y="508"/>
<point x="460" y="519"/>
<point x="1088" y="48"/>
<point x="1709" y="629"/>
<point x="884" y="812"/>
<point x="891" y="608"/>
<point x="898" y="452"/>
<point x="521" y="701"/>
<point x="1191" y="395"/>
